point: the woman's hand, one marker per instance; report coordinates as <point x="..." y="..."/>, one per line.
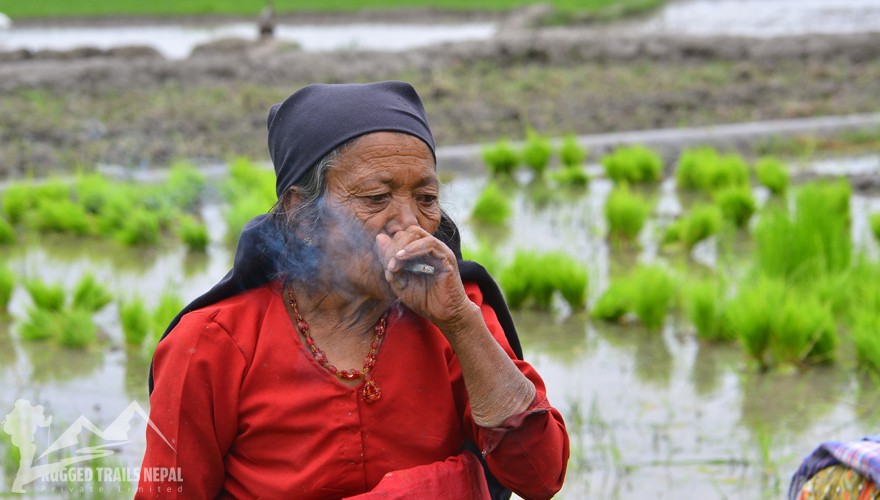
<point x="439" y="297"/>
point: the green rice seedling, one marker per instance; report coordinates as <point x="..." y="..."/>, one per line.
<point x="772" y="174"/>
<point x="814" y="242"/>
<point x="825" y="196"/>
<point x="615" y="302"/>
<point x="731" y="170"/>
<point x="737" y="204"/>
<point x="571" y="153"/>
<point x="92" y="191"/>
<point x="157" y="202"/>
<point x="141" y="228"/>
<point x="695" y="167"/>
<point x="704" y="304"/>
<point x="570" y="278"/>
<point x="136" y="321"/>
<point x="170" y="304"/>
<point x="672" y="232"/>
<point x="41" y="324"/>
<point x="492" y="206"/>
<point x="500" y="158"/>
<point x="185" y="185"/>
<point x="115" y="211"/>
<point x="45" y="296"/>
<point x="485" y="255"/>
<point x="240" y="211"/>
<point x="633" y="164"/>
<point x="537" y="277"/>
<point x="16" y="201"/>
<point x="524" y="280"/>
<point x="536" y="152"/>
<point x="193" y="233"/>
<point x="866" y="340"/>
<point x="703" y="222"/>
<point x="802" y="331"/>
<point x="749" y="316"/>
<point x="76" y="329"/>
<point x="7" y="285"/>
<point x="7" y="232"/>
<point x="20" y="199"/>
<point x="571" y="176"/>
<point x="703" y="169"/>
<point x="60" y="215"/>
<point x="89" y="295"/>
<point x="626" y="213"/>
<point x="245" y="177"/>
<point x="652" y="290"/>
<point x="874" y="222"/>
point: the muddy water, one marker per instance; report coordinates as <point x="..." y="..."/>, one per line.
<point x="178" y="41"/>
<point x="656" y="415"/>
<point x="764" y="18"/>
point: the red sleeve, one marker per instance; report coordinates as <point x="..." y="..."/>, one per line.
<point x="193" y="410"/>
<point x="529" y="452"/>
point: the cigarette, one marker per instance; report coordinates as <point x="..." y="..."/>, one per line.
<point x="419" y="268"/>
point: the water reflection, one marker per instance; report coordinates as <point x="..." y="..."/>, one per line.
<point x="195" y="263"/>
<point x="62" y="249"/>
<point x="564" y="340"/>
<point x="137" y="367"/>
<point x="790" y="403"/>
<point x="50" y="362"/>
<point x="710" y="363"/>
<point x="7" y="345"/>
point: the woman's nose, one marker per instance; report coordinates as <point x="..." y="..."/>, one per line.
<point x="401" y="216"/>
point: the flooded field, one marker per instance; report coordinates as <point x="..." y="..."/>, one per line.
<point x="178" y="41"/>
<point x="655" y="414"/>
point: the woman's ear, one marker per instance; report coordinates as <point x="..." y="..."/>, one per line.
<point x="292" y="198"/>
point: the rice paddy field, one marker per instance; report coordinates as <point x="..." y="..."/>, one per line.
<point x="702" y="323"/>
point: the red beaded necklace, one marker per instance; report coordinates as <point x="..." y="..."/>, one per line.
<point x="371" y="391"/>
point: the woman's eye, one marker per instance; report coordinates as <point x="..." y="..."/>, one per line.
<point x="376" y="198"/>
<point x="427" y="199"/>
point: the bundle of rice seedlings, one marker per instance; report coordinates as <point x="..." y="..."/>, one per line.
<point x="60" y="215"/>
<point x="89" y="295"/>
<point x="737" y="204"/>
<point x="633" y="165"/>
<point x="501" y="158"/>
<point x="614" y="303"/>
<point x="749" y="316"/>
<point x="571" y="154"/>
<point x="170" y="304"/>
<point x="7" y="285"/>
<point x="136" y="321"/>
<point x="492" y="206"/>
<point x="141" y="228"/>
<point x="652" y="291"/>
<point x="45" y="296"/>
<point x="41" y="324"/>
<point x="535" y="278"/>
<point x="536" y="152"/>
<point x="703" y="222"/>
<point x="704" y="304"/>
<point x="193" y="233"/>
<point x="185" y="185"/>
<point x="7" y="232"/>
<point x="626" y="213"/>
<point x="76" y="329"/>
<point x="772" y="174"/>
<point x="802" y="331"/>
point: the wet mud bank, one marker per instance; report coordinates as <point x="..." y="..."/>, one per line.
<point x="59" y="110"/>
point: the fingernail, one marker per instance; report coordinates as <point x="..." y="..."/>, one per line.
<point x="401" y="253"/>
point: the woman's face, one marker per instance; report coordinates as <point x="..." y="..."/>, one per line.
<point x="385" y="183"/>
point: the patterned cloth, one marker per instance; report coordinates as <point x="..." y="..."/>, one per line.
<point x="862" y="457"/>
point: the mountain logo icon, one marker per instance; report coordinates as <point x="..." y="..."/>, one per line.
<point x="21" y="425"/>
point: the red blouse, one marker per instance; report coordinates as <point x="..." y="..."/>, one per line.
<point x="247" y="412"/>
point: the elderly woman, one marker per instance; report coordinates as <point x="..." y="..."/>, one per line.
<point x="350" y="352"/>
